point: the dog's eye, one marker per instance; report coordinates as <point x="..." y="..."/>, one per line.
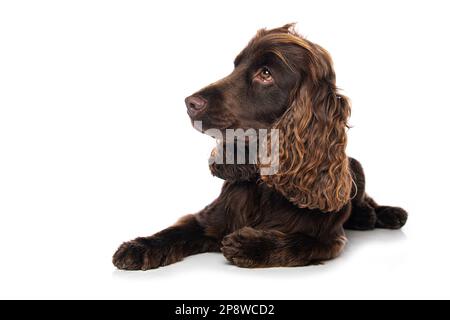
<point x="264" y="75"/>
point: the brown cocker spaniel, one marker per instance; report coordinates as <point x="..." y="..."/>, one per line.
<point x="297" y="216"/>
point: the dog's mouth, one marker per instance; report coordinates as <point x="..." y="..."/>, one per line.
<point x="228" y="135"/>
<point x="237" y="139"/>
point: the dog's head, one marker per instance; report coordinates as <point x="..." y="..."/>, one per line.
<point x="286" y="82"/>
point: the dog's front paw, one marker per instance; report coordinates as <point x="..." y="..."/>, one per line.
<point x="250" y="248"/>
<point x="138" y="254"/>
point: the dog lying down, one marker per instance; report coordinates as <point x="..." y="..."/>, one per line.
<point x="291" y="209"/>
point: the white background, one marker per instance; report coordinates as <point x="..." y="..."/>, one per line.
<point x="96" y="147"/>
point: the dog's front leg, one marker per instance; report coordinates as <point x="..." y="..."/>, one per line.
<point x="254" y="248"/>
<point x="185" y="238"/>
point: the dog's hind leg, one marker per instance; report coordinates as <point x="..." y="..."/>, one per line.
<point x="388" y="217"/>
<point x="366" y="214"/>
<point x="363" y="215"/>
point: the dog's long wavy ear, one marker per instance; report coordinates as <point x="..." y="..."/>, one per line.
<point x="313" y="168"/>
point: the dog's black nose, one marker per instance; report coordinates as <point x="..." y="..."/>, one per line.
<point x="195" y="105"/>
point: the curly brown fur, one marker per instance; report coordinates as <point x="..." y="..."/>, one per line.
<point x="314" y="170"/>
<point x="297" y="216"/>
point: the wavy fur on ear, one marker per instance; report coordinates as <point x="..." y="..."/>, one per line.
<point x="313" y="167"/>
